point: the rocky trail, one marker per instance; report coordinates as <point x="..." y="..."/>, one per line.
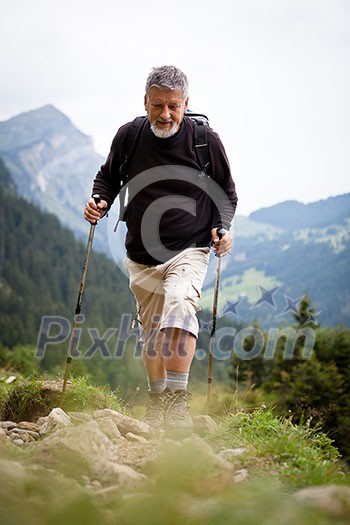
<point x="115" y="457"/>
<point x="110" y="449"/>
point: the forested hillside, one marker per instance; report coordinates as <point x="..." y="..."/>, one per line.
<point x="40" y="271"/>
<point x="299" y="249"/>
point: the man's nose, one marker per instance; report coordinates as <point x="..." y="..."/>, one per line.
<point x="165" y="114"/>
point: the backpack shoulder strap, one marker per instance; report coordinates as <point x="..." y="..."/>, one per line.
<point x="132" y="137"/>
<point x="131" y="141"/>
<point x="201" y="140"/>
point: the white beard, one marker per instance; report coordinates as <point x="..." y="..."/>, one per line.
<point x="164" y="133"/>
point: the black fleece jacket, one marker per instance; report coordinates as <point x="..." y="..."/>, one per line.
<point x="171" y="206"/>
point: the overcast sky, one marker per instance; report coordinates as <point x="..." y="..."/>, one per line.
<point x="272" y="75"/>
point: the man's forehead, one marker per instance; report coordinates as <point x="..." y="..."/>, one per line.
<point x="165" y="94"/>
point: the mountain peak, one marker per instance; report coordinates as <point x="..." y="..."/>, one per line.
<point x="51" y="161"/>
<point x="29" y="127"/>
<point x="44" y="113"/>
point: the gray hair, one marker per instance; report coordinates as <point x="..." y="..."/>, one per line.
<point x="167" y="77"/>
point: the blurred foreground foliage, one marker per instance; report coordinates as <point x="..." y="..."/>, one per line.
<point x="280" y="458"/>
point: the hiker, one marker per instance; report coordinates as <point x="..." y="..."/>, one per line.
<point x="172" y="220"/>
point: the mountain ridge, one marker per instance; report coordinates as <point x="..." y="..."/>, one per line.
<point x="56" y="173"/>
<point x="298" y="215"/>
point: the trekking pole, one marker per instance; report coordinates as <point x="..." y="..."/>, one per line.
<point x="74" y="338"/>
<point x="213" y="325"/>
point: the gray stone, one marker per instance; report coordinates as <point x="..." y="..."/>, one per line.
<point x="8" y="424"/>
<point x="87" y="443"/>
<point x="56" y="418"/>
<point x="109" y="428"/>
<point x="28" y="425"/>
<point x="121" y="475"/>
<point x="26" y="438"/>
<point x="10" y="379"/>
<point x="334" y="500"/>
<point x="86" y="439"/>
<point x="230" y="453"/>
<point x="135" y="438"/>
<point x="22" y="431"/>
<point x="18" y="442"/>
<point x="125" y="423"/>
<point x="240" y="475"/>
<point x="204" y="424"/>
<point x="79" y="417"/>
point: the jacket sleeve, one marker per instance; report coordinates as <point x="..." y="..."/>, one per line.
<point x="108" y="181"/>
<point x="224" y="200"/>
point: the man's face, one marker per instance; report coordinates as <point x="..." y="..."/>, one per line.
<point x="165" y="109"/>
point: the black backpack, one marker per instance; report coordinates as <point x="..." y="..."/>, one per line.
<point x="200" y="143"/>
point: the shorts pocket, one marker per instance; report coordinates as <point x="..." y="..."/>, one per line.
<point x="197" y="289"/>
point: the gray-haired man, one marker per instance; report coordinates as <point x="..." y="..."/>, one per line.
<point x="172" y="220"/>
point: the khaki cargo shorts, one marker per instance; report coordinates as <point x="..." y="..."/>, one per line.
<point x="167" y="295"/>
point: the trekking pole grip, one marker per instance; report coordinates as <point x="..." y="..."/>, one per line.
<point x="97" y="199"/>
<point x="220" y="233"/>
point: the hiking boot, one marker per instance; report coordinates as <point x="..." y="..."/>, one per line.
<point x="176" y="416"/>
<point x="154" y="414"/>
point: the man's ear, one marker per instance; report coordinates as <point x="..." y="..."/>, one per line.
<point x="145" y="102"/>
<point x="186" y="104"/>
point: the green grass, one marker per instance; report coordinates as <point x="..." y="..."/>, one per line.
<point x="27" y="400"/>
<point x="236" y="285"/>
<point x="296" y="455"/>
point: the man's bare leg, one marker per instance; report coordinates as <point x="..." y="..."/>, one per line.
<point x="178" y="350"/>
<point x="174" y="352"/>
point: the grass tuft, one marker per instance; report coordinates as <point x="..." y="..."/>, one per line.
<point x="298" y="455"/>
<point x="29" y="399"/>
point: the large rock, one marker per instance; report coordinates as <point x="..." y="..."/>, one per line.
<point x="56" y="418"/>
<point x="331" y="499"/>
<point x="125" y="423"/>
<point x="204" y="424"/>
<point x="109" y="428"/>
<point x="86" y="450"/>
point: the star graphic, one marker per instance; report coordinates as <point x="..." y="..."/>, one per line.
<point x="313" y="317"/>
<point x="266" y="296"/>
<point x="291" y="304"/>
<point x="231" y="307"/>
<point x="205" y="326"/>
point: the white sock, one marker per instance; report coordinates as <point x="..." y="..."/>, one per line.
<point x="156" y="386"/>
<point x="176" y="381"/>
